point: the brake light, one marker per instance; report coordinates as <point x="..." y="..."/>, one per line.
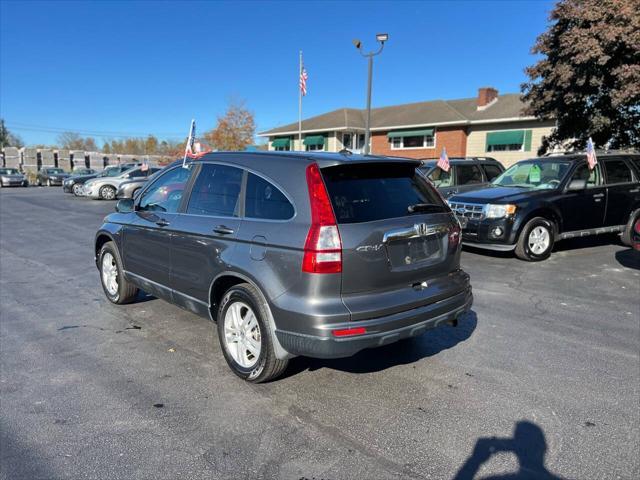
<point x="349" y="332"/>
<point x="323" y="247"/>
<point x="637" y="226"/>
<point x="454" y="236"/>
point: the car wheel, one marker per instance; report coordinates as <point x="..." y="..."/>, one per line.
<point x="39" y="182"/>
<point x="77" y="189"/>
<point x="107" y="192"/>
<point x="117" y="289"/>
<point x="626" y="234"/>
<point x="536" y="240"/>
<point x="245" y="336"/>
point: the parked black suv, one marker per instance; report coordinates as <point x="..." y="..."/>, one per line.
<point x="313" y="254"/>
<point x="465" y="174"/>
<point x="539" y="201"/>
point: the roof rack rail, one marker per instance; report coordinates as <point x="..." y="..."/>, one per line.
<point x="599" y="151"/>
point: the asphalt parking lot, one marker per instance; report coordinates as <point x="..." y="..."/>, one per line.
<point x="542" y="378"/>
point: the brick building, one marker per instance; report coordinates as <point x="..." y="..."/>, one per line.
<point x="486" y="125"/>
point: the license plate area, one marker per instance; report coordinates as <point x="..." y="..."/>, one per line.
<point x="422" y="251"/>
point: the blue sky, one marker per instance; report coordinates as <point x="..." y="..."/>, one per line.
<point x="135" y="68"/>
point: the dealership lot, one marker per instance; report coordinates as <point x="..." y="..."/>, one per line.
<point x="548" y="362"/>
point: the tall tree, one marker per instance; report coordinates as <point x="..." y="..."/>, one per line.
<point x="151" y="145"/>
<point x="8" y="139"/>
<point x="235" y="130"/>
<point x="71" y="141"/>
<point x="588" y="78"/>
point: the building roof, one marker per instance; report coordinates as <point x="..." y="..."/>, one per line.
<point x="507" y="107"/>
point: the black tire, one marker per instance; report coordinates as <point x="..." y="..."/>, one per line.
<point x="77" y="189"/>
<point x="39" y="183"/>
<point x="625" y="238"/>
<point x="107" y="192"/>
<point x="125" y="292"/>
<point x="267" y="367"/>
<point x="523" y="249"/>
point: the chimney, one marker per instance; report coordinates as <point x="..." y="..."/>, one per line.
<point x="486" y="96"/>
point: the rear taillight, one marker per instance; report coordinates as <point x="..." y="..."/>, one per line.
<point x="637" y="226"/>
<point x="454" y="236"/>
<point x="323" y="247"/>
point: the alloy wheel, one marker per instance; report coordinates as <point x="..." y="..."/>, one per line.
<point x="110" y="273"/>
<point x="242" y="334"/>
<point x="539" y="240"/>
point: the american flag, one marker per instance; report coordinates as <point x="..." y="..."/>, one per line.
<point x="443" y="162"/>
<point x="145" y="165"/>
<point x="591" y="154"/>
<point x="303" y="81"/>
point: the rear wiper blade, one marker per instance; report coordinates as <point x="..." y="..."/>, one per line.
<point x="424" y="207"/>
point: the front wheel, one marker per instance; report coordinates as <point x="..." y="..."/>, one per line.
<point x="77" y="189"/>
<point x="117" y="289"/>
<point x="245" y="336"/>
<point x="107" y="192"/>
<point x="536" y="240"/>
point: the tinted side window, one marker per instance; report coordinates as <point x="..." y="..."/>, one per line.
<point x="440" y="178"/>
<point x="264" y="200"/>
<point x="165" y="193"/>
<point x="617" y="171"/>
<point x="216" y="191"/>
<point x="137" y="173"/>
<point x="593" y="178"/>
<point x="369" y="192"/>
<point x="468" y="174"/>
<point x="491" y="171"/>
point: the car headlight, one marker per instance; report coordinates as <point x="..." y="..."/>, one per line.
<point x="499" y="211"/>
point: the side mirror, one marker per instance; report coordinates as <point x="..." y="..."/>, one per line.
<point x="577" y="185"/>
<point x="124" y="205"/>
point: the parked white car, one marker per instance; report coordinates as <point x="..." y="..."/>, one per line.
<point x="105" y="188"/>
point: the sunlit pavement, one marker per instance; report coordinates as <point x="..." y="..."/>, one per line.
<point x="542" y="378"/>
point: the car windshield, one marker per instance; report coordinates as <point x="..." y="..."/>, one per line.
<point x="534" y="175"/>
<point x="55" y="170"/>
<point x="9" y="171"/>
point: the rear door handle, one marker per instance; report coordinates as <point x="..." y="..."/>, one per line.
<point x="598" y="195"/>
<point x="162" y="223"/>
<point x="222" y="230"/>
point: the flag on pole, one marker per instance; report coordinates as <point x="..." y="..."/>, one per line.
<point x="592" y="160"/>
<point x="145" y="165"/>
<point x="190" y="139"/>
<point x="443" y="161"/>
<point x="303" y="81"/>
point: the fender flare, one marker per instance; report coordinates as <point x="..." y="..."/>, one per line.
<point x="280" y="352"/>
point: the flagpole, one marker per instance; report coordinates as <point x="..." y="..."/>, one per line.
<point x="300" y="103"/>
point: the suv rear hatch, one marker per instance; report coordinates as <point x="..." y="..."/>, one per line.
<point x="400" y="242"/>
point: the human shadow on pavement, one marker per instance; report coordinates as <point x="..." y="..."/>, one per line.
<point x="528" y="445"/>
<point x="403" y="352"/>
<point x="629" y="258"/>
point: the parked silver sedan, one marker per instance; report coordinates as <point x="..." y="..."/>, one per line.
<point x="11" y="177"/>
<point x="105" y="188"/>
<point x="130" y="188"/>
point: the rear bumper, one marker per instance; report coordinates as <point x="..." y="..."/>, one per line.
<point x="380" y="331"/>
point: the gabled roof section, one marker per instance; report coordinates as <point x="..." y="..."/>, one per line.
<point x="432" y="113"/>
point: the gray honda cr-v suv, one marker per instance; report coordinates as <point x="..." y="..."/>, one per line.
<point x="315" y="254"/>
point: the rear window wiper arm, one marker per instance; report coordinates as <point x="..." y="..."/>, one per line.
<point x="424" y="207"/>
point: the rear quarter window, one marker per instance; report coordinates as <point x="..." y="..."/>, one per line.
<point x="369" y="192"/>
<point x="265" y="201"/>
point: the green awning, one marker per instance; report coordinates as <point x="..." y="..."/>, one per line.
<point x="314" y="140"/>
<point x="512" y="137"/>
<point x="411" y="133"/>
<point x="281" y="142"/>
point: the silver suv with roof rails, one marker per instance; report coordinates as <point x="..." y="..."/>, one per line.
<point x="314" y="254"/>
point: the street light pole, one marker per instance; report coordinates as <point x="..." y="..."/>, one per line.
<point x="381" y="37"/>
